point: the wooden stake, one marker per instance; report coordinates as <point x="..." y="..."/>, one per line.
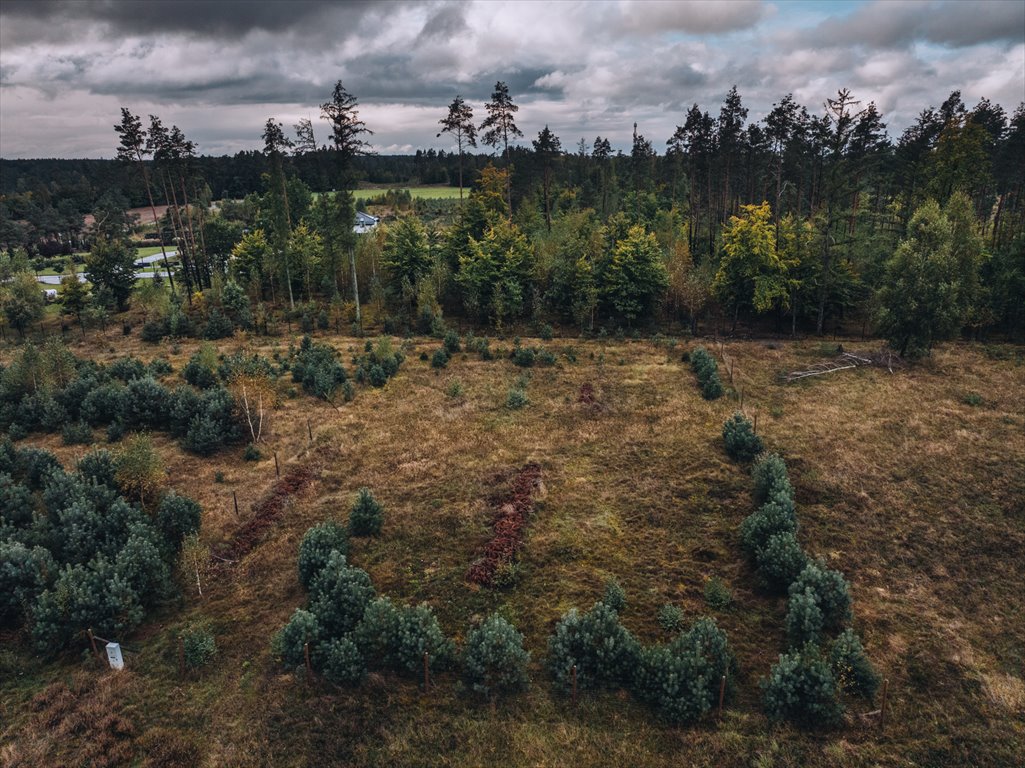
<point x="92" y="642"/>
<point x="427" y="672"/>
<point x="756" y="422"/>
<point x="277" y="469"/>
<point x="309" y="429"/>
<point x="181" y="656"/>
<point x="573" y="674"/>
<point x="306" y="655"/>
<point x="731" y="371"/>
<point x="741" y="398"/>
<point x="234" y="497"/>
<point x="722" y="694"/>
<point x="882" y="710"/>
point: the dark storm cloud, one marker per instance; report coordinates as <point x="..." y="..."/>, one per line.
<point x="227" y="19"/>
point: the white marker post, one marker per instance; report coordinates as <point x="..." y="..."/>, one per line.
<point x="114" y="656"/>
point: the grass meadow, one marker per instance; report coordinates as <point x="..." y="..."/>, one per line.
<point x="905" y="482"/>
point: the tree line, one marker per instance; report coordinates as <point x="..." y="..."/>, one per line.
<point x="800" y="221"/>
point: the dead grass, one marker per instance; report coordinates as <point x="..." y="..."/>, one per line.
<point x="915" y="495"/>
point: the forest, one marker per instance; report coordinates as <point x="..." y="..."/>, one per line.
<point x="806" y="221"/>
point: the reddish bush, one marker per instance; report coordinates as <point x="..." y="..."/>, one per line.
<point x="509" y="524"/>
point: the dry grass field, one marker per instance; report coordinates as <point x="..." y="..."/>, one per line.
<point x="915" y="494"/>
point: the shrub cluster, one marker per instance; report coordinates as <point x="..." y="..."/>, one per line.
<point x="603" y="651"/>
<point x="92" y="558"/>
<point x="451" y="343"/>
<point x="213" y="322"/>
<point x="440" y="358"/>
<point x="199" y="648"/>
<point x="316" y="547"/>
<point x="378" y="363"/>
<point x="742" y="444"/>
<point x="516" y="398"/>
<point x="707" y="372"/>
<point x="680" y="680"/>
<point x="479" y="344"/>
<point x="526" y="357"/>
<point x="801" y="688"/>
<point x="349" y="629"/>
<point x="122" y="396"/>
<point x="805" y="685"/>
<point x="316" y="367"/>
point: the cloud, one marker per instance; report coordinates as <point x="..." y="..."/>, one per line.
<point x="692" y="16"/>
<point x="583" y="68"/>
<point x="221" y="19"/>
<point x="897" y="23"/>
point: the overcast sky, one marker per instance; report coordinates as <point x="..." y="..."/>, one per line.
<point x="220" y="68"/>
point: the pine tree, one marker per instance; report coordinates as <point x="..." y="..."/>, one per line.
<point x="494" y="660"/>
<point x="459" y="123"/>
<point x="500" y="126"/>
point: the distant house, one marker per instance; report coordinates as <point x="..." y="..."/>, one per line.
<point x="364" y="223"/>
<point x="50" y="294"/>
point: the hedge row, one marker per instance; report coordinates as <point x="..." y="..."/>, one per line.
<point x="350" y="629"/>
<point x="805" y="685"/>
<point x="707" y="372"/>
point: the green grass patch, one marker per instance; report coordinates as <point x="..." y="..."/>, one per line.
<point x="423" y="193"/>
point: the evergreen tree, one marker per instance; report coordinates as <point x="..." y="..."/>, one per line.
<point x="347" y="132"/>
<point x="494" y="660"/>
<point x="407" y="257"/>
<point x="500" y="126"/>
<point x="134" y="148"/>
<point x="919" y="300"/>
<point x="459" y="124"/>
<point x="547" y="148"/>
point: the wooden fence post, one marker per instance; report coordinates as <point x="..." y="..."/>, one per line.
<point x="92" y="642"/>
<point x="882" y="710"/>
<point x="573" y="674"/>
<point x="309" y="429"/>
<point x="756" y="422"/>
<point x="306" y="656"/>
<point x="722" y="694"/>
<point x="427" y="672"/>
<point x="277" y="469"/>
<point x="234" y="497"/>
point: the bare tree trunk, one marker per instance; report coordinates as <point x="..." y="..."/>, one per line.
<point x="355" y="289"/>
<point x="156" y="223"/>
<point x="192" y="236"/>
<point x="179" y="235"/>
